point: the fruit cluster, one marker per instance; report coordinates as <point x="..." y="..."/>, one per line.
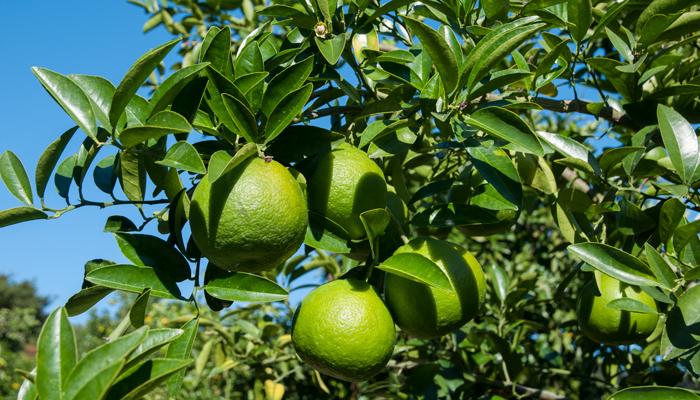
<point x="255" y="217"/>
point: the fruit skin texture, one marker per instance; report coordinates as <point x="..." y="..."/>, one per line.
<point x="251" y="219"/>
<point x="346" y="183"/>
<point x="609" y="326"/>
<point x="426" y="312"/>
<point x="344" y="330"/>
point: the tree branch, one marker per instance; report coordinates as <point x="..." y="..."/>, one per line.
<point x="531" y="392"/>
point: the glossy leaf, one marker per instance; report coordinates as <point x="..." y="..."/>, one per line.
<point x="180" y="349"/>
<point x="680" y="140"/>
<point x="321" y="234"/>
<point x="284" y="83"/>
<point x="133" y="79"/>
<point x="152" y="251"/>
<point x="217" y="86"/>
<point x="221" y="163"/>
<point x="250" y="60"/>
<point x="506" y="125"/>
<point x="70" y="97"/>
<point x="431" y="189"/>
<point x="615" y="263"/>
<point x="417" y="268"/>
<point x="631" y="220"/>
<point x="498" y="170"/>
<point x="287" y="109"/>
<point x="49" y="159"/>
<point x="440" y="52"/>
<point x="241" y="286"/>
<point x="135" y="279"/>
<point x="28" y="389"/>
<point x="86" y="155"/>
<point x="497" y="80"/>
<point x="680" y="333"/>
<point x="167" y="91"/>
<point x="654" y="393"/>
<point x="105" y="174"/>
<point x="242" y="117"/>
<point x="100" y="92"/>
<point x="661" y="268"/>
<point x="85" y="299"/>
<point x="452" y="214"/>
<point x="155" y="340"/>
<point x="623" y="82"/>
<point x="574" y="200"/>
<point x="611" y="158"/>
<point x="184" y="156"/>
<point x="684" y="234"/>
<point x="92" y="376"/>
<point x="132" y="175"/>
<point x="580" y="15"/>
<point x="499" y="280"/>
<point x="631" y="305"/>
<point x="137" y="312"/>
<point x="218" y="50"/>
<point x="56" y="355"/>
<point x="64" y="176"/>
<point x="375" y="222"/>
<point x="163" y="123"/>
<point x="331" y="49"/>
<point x="15" y="177"/>
<point x="571" y="148"/>
<point x="145" y="377"/>
<point x="671" y="215"/>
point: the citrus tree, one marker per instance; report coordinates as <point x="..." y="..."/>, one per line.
<point x="371" y="132"/>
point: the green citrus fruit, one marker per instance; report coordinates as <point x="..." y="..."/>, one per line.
<point x="507" y="218"/>
<point x="251" y="219"/>
<point x="427" y="312"/>
<point x="609" y="326"/>
<point x="346" y="183"/>
<point x="344" y="330"/>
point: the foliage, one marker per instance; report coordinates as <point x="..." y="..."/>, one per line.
<point x="448" y="97"/>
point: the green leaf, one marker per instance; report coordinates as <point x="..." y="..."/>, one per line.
<point x="631" y="305"/>
<point x="497" y="80"/>
<point x="137" y="312"/>
<point x="135" y="279"/>
<point x="375" y="222"/>
<point x="396" y="56"/>
<point x="671" y="215"/>
<point x="496" y="167"/>
<point x="100" y="91"/>
<point x="252" y="86"/>
<point x="85" y="299"/>
<point x="631" y="220"/>
<point x="242" y="117"/>
<point x="286" y="111"/>
<point x="28" y="389"/>
<point x="611" y="158"/>
<point x="241" y="286"/>
<point x="680" y="140"/>
<point x="610" y="15"/>
<point x="155" y="340"/>
<point x="167" y="91"/>
<point x="327" y="8"/>
<point x="64" y="176"/>
<point x="654" y="26"/>
<point x="506" y="125"/>
<point x="615" y="263"/>
<point x="486" y="196"/>
<point x="661" y="267"/>
<point x="566" y="281"/>
<point x="133" y="79"/>
<point x="132" y="175"/>
<point x="571" y="148"/>
<point x="324" y="234"/>
<point x="70" y="97"/>
<point x="183" y="155"/>
<point x="49" y="158"/>
<point x="431" y="189"/>
<point x="15" y="177"/>
<point x="163" y="123"/>
<point x="654" y="393"/>
<point x="533" y="5"/>
<point x="218" y="50"/>
<point x="680" y="332"/>
<point x="92" y="376"/>
<point x="56" y="355"/>
<point x="105" y="174"/>
<point x="684" y="234"/>
<point x="453" y="214"/>
<point x="20" y="214"/>
<point x="417" y="268"/>
<point x="574" y="200"/>
<point x="152" y="251"/>
<point x="86" y="155"/>
<point x="331" y="49"/>
<point x="497" y="47"/>
<point x="381" y="128"/>
<point x="118" y="223"/>
<point x="580" y="14"/>
<point x="180" y="349"/>
<point x="223" y="163"/>
<point x="620" y="45"/>
<point x="440" y="52"/>
<point x="284" y="83"/>
<point x="144" y="378"/>
<point x="500" y="281"/>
